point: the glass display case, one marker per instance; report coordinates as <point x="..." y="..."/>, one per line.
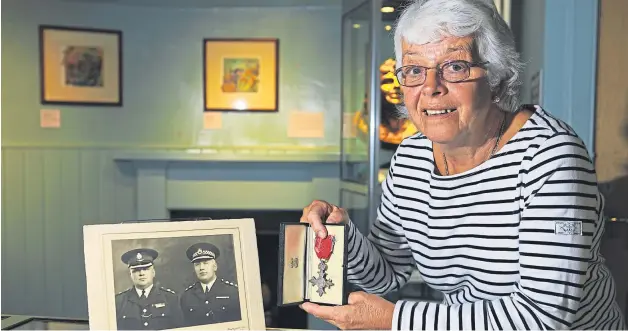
<point x="356" y="54"/>
<point x="371" y="127"/>
<point x="360" y="49"/>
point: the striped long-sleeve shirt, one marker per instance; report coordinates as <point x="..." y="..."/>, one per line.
<point x="512" y="244"/>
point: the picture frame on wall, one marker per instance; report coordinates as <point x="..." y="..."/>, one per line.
<point x="165" y="274"/>
<point x="80" y="66"/>
<point x="241" y="75"/>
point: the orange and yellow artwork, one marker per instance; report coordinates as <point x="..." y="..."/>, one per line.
<point x="240" y="75"/>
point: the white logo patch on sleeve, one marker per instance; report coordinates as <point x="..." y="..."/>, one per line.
<point x="568" y="227"/>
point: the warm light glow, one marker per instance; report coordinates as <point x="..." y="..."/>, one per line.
<point x="388" y="9"/>
<point x="239" y="105"/>
<point x="357" y="26"/>
<point x="388" y="27"/>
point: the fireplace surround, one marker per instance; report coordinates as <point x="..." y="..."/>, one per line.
<point x="270" y="188"/>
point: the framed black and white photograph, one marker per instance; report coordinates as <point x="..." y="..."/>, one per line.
<point x="167" y="275"/>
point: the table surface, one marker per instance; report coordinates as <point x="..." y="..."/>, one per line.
<point x="22" y="322"/>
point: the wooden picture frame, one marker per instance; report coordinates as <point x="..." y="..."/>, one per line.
<point x="241" y="75"/>
<point x="80" y="66"/>
<point x="172" y="260"/>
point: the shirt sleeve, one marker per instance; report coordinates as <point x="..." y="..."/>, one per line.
<point x="560" y="218"/>
<point x="381" y="261"/>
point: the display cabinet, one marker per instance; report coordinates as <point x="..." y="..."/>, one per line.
<point x="371" y="127"/>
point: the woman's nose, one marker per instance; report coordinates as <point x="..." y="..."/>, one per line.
<point x="432" y="85"/>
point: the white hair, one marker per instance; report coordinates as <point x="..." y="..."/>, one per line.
<point x="425" y="21"/>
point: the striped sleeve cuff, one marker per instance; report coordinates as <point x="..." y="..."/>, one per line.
<point x="412" y="315"/>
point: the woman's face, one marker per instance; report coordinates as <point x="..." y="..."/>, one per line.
<point x="470" y="99"/>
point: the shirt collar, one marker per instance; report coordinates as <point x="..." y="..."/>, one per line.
<point x="208" y="285"/>
<point x="146" y="290"/>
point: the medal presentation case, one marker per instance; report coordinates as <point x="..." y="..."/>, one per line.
<point x="310" y="268"/>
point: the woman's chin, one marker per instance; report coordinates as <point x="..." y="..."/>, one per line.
<point x="439" y="137"/>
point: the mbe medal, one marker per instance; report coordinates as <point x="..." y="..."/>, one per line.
<point x="323" y="249"/>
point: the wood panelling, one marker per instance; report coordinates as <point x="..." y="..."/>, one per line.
<point x="47" y="196"/>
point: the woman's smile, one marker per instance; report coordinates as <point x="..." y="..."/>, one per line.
<point x="438" y="112"/>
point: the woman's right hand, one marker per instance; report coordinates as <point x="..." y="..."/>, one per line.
<point x="320" y="212"/>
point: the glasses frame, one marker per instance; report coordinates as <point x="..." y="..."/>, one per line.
<point x="439" y="71"/>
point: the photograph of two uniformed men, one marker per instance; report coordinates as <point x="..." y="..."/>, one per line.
<point x="166" y="283"/>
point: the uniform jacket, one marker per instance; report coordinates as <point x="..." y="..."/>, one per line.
<point x="160" y="310"/>
<point x="221" y="304"/>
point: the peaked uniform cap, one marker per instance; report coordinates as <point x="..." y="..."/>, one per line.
<point x="202" y="251"/>
<point x="139" y="257"/>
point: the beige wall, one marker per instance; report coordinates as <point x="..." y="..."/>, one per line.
<point x="611" y="138"/>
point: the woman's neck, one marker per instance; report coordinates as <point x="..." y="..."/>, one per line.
<point x="477" y="149"/>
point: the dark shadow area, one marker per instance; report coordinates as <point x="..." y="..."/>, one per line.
<point x="614" y="246"/>
<point x="616" y="196"/>
<point x="616" y="191"/>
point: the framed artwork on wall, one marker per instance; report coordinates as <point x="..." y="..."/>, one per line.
<point x="241" y="75"/>
<point x="80" y="66"/>
<point x="173" y="274"/>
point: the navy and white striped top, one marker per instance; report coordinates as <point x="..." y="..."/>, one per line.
<point x="512" y="244"/>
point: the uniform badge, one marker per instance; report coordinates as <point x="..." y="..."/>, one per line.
<point x="139" y="256"/>
<point x="159" y="305"/>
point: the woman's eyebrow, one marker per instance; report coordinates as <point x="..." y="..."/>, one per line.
<point x="457" y="48"/>
<point x="450" y="49"/>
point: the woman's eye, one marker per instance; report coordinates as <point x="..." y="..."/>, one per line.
<point x="415" y="71"/>
<point x="455" y="67"/>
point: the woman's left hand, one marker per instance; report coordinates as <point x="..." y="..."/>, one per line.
<point x="364" y="311"/>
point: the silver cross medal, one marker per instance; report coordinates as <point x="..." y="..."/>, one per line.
<point x="323" y="249"/>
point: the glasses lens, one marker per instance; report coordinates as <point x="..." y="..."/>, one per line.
<point x="456" y="71"/>
<point x="411" y="75"/>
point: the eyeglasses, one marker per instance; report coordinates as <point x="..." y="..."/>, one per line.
<point x="453" y="72"/>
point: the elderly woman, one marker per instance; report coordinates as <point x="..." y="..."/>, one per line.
<point x="496" y="204"/>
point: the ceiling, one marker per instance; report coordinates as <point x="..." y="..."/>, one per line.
<point x="214" y="3"/>
<point x="237" y="3"/>
<point x="362" y="11"/>
<point x="191" y="4"/>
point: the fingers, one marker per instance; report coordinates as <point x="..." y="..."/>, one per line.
<point x="322" y="312"/>
<point x="320" y="212"/>
<point x="315" y="214"/>
<point x="337" y="215"/>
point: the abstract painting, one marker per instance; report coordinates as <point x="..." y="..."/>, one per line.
<point x="80" y="66"/>
<point x="241" y="75"/>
